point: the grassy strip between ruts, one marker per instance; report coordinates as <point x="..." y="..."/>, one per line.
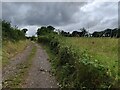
<point x="16" y="80"/>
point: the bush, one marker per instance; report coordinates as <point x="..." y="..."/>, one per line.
<point x="11" y="33"/>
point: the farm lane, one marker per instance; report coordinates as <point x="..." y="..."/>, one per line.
<point x="38" y="75"/>
<point x="11" y="68"/>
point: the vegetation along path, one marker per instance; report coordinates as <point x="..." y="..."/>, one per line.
<point x="29" y="69"/>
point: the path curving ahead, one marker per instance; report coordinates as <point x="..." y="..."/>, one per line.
<point x="38" y="75"/>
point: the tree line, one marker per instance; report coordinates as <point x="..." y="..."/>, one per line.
<point x="84" y="33"/>
<point x="15" y="34"/>
<point x="81" y="33"/>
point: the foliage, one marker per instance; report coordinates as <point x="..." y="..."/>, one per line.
<point x="45" y="30"/>
<point x="24" y="30"/>
<point x="33" y="38"/>
<point x="66" y="34"/>
<point x="13" y="40"/>
<point x="11" y="33"/>
<point x="84" y="33"/>
<point x="75" y="68"/>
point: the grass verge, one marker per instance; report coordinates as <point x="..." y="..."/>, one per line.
<point x="10" y="49"/>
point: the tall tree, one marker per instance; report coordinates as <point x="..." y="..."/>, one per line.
<point x="25" y="30"/>
<point x="51" y="28"/>
<point x="45" y="30"/>
<point x="84" y="31"/>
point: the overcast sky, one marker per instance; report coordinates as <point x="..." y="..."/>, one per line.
<point x="69" y="16"/>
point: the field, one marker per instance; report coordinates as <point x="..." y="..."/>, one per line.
<point x="104" y="50"/>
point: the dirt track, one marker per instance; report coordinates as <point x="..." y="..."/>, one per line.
<point x="39" y="74"/>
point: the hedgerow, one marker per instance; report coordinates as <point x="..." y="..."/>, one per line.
<point x="11" y="33"/>
<point x="75" y="68"/>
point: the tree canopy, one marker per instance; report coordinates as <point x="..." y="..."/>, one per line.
<point x="45" y="30"/>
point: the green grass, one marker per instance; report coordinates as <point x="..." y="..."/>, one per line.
<point x="0" y="57"/>
<point x="105" y="47"/>
<point x="104" y="50"/>
<point x="17" y="80"/>
<point x="10" y="49"/>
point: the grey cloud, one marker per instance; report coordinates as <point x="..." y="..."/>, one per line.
<point x="104" y="10"/>
<point x="0" y="10"/>
<point x="69" y="16"/>
<point x="95" y="17"/>
<point x="41" y="13"/>
<point x="119" y="13"/>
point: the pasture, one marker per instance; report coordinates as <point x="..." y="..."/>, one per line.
<point x="103" y="50"/>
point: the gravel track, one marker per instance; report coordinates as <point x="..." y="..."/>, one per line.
<point x="39" y="74"/>
<point x="11" y="69"/>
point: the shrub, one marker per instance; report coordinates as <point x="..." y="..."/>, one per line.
<point x="11" y="33"/>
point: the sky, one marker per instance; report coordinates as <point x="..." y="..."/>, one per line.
<point x="67" y="16"/>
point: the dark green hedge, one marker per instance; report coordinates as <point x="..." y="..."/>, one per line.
<point x="11" y="33"/>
